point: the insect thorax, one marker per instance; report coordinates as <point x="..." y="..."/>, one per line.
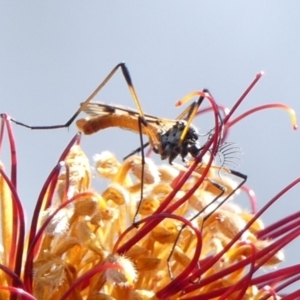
<point x="170" y="142"/>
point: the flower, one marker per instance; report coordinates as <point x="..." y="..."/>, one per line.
<point x="176" y="235"/>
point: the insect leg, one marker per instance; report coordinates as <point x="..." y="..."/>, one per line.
<point x="71" y="120"/>
<point x="128" y="80"/>
<point x="186" y="114"/>
<point x="222" y="191"/>
<point x="143" y="169"/>
<point x="137" y="150"/>
<point x="189" y="114"/>
<point x="237" y="174"/>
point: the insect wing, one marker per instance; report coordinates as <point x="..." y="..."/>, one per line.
<point x="96" y="109"/>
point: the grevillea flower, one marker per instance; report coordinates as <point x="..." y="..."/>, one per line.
<point x="83" y="244"/>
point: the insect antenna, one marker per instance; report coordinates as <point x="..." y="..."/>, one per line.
<point x="225" y="155"/>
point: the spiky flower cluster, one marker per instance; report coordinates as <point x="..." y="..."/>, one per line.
<point x="172" y="232"/>
<point x="79" y="249"/>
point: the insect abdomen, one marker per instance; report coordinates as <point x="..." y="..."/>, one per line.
<point x="93" y="125"/>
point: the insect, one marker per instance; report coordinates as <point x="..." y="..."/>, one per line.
<point x="164" y="135"/>
<point x="169" y="138"/>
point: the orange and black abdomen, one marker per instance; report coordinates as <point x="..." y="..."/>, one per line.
<point x="93" y="125"/>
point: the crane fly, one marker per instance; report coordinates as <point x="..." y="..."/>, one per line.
<point x="169" y="138"/>
<point x="164" y="134"/>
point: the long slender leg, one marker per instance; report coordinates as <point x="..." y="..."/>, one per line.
<point x="137" y="150"/>
<point x="237" y="174"/>
<point x="190" y="115"/>
<point x="128" y="80"/>
<point x="141" y="123"/>
<point x="222" y="191"/>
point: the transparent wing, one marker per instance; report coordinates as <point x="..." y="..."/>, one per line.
<point x="96" y="109"/>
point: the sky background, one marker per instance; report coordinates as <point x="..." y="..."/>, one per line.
<point x="53" y="54"/>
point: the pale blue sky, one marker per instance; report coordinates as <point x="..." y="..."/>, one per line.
<point x="54" y="53"/>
